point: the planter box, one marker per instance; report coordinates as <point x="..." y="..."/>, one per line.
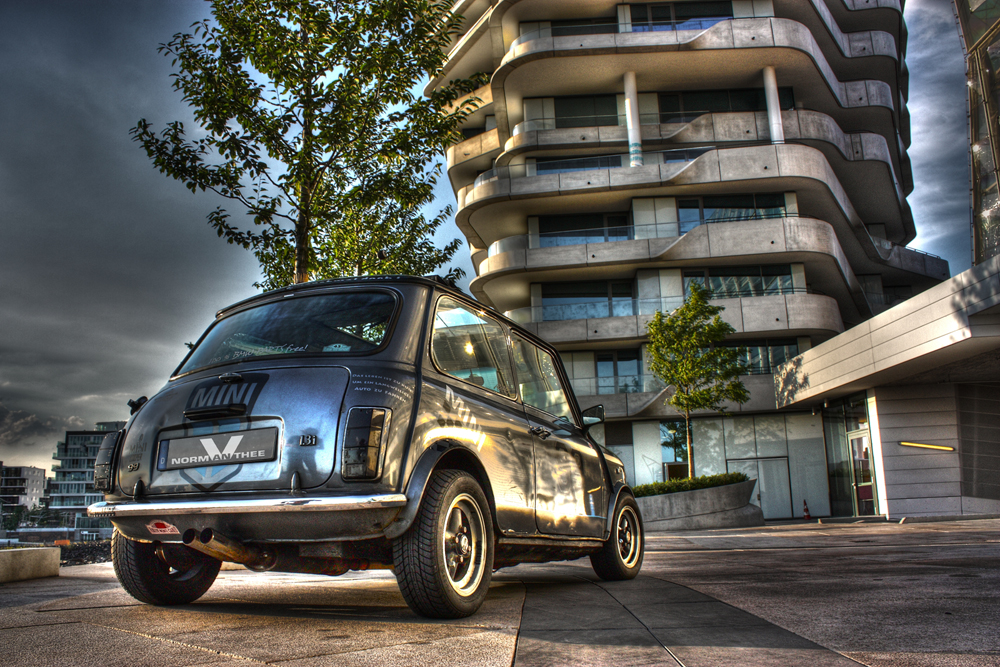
<point x="726" y="506"/>
<point x="31" y="563"/>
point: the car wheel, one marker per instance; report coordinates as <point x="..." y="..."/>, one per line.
<point x="444" y="562"/>
<point x="621" y="556"/>
<point x="177" y="575"/>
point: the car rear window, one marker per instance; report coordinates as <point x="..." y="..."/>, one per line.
<point x="343" y="322"/>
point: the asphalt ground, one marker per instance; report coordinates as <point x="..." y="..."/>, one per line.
<point x="924" y="594"/>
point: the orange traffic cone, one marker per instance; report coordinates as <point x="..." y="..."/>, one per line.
<point x="805" y="511"/>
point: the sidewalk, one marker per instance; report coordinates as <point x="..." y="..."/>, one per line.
<point x="798" y="594"/>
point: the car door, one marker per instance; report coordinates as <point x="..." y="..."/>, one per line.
<point x="569" y="478"/>
<point x="474" y="396"/>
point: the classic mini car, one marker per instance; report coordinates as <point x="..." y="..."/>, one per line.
<point x="382" y="422"/>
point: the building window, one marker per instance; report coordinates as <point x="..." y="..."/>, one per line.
<point x="762" y="357"/>
<point x="742" y="281"/>
<point x="685" y="106"/>
<point x="560" y="230"/>
<point x="618" y="372"/>
<point x="673" y="445"/>
<point x="602" y="25"/>
<point x="587" y="298"/>
<point x="696" y="211"/>
<point x="586" y="111"/>
<point x="679" y="16"/>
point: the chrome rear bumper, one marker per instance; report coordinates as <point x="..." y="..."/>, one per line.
<point x="336" y="504"/>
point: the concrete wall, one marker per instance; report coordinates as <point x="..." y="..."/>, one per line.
<point x="31" y="563"/>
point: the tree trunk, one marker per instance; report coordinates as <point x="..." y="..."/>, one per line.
<point x="687" y="429"/>
<point x="302" y="245"/>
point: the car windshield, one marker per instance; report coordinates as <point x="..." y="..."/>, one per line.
<point x="343" y="322"/>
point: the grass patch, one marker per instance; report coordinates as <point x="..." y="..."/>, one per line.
<point x="688" y="484"/>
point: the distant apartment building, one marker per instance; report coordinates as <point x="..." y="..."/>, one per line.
<point x="625" y="151"/>
<point x="22" y="486"/>
<point x="73" y="488"/>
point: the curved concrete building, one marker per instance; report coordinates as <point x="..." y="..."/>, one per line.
<point x="622" y="152"/>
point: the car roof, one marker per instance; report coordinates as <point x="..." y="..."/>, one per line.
<point x="431" y="281"/>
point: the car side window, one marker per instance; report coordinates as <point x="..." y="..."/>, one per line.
<point x="471" y="347"/>
<point x="538" y="380"/>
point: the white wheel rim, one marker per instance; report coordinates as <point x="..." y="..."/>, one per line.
<point x="628" y="536"/>
<point x="464" y="545"/>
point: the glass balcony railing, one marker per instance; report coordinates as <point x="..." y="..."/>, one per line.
<point x="606" y="120"/>
<point x="630" y="307"/>
<point x="693" y="23"/>
<point x="587" y="164"/>
<point x="622" y="384"/>
<point x="593" y="309"/>
<point x="625" y="233"/>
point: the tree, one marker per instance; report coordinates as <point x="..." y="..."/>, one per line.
<point x="684" y="353"/>
<point x="311" y="119"/>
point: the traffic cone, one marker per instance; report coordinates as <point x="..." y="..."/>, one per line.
<point x="805" y="511"/>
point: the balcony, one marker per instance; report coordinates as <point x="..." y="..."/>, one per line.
<point x="555" y="167"/>
<point x="696" y="24"/>
<point x="627" y="232"/>
<point x="620" y="384"/>
<point x="593" y="309"/>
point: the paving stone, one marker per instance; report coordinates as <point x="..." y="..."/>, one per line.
<point x="600" y="648"/>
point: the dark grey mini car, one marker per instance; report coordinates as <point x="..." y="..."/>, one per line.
<point x="383" y="422"/>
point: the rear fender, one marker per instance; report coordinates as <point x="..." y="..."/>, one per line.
<point x="445" y="454"/>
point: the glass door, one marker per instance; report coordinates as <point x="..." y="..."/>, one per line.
<point x="862" y="474"/>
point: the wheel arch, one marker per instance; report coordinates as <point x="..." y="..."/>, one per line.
<point x="616" y="493"/>
<point x="442" y="455"/>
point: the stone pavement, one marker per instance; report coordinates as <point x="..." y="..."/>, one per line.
<point x="816" y="595"/>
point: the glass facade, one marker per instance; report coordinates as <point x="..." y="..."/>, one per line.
<point x="981" y="31"/>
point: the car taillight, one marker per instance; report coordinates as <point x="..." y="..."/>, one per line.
<point x="103" y="473"/>
<point x="366" y="428"/>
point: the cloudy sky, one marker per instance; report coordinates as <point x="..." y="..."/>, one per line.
<point x="107" y="267"/>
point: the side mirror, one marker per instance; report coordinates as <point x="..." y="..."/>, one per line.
<point x="593" y="415"/>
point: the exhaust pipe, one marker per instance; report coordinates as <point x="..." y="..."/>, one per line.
<point x="223" y="548"/>
<point x="262" y="559"/>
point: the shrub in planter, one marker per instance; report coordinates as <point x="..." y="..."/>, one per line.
<point x="688" y="484"/>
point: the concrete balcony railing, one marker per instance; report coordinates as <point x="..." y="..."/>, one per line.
<point x="795" y="313"/>
<point x="626" y="233"/>
<point x="571" y="165"/>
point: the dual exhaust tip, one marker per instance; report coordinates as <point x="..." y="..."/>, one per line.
<point x="223" y="548"/>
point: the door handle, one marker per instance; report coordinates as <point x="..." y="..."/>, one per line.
<point x="542" y="433"/>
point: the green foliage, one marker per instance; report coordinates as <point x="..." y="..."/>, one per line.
<point x="12" y="516"/>
<point x="310" y="118"/>
<point x="684" y="353"/>
<point x="688" y="484"/>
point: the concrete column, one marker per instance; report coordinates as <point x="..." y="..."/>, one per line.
<point x="632" y="121"/>
<point x="773" y="106"/>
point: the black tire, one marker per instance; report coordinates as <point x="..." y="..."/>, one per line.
<point x="444" y="562"/>
<point x="621" y="556"/>
<point x="147" y="578"/>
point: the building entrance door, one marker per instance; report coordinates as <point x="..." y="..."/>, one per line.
<point x="862" y="476"/>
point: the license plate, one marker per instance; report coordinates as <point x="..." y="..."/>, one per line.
<point x="218" y="449"/>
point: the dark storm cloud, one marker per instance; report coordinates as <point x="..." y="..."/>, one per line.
<point x="939" y="126"/>
<point x="106" y="266"/>
<point x="18" y="429"/>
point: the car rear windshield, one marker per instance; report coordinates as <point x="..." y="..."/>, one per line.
<point x="343" y="322"/>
